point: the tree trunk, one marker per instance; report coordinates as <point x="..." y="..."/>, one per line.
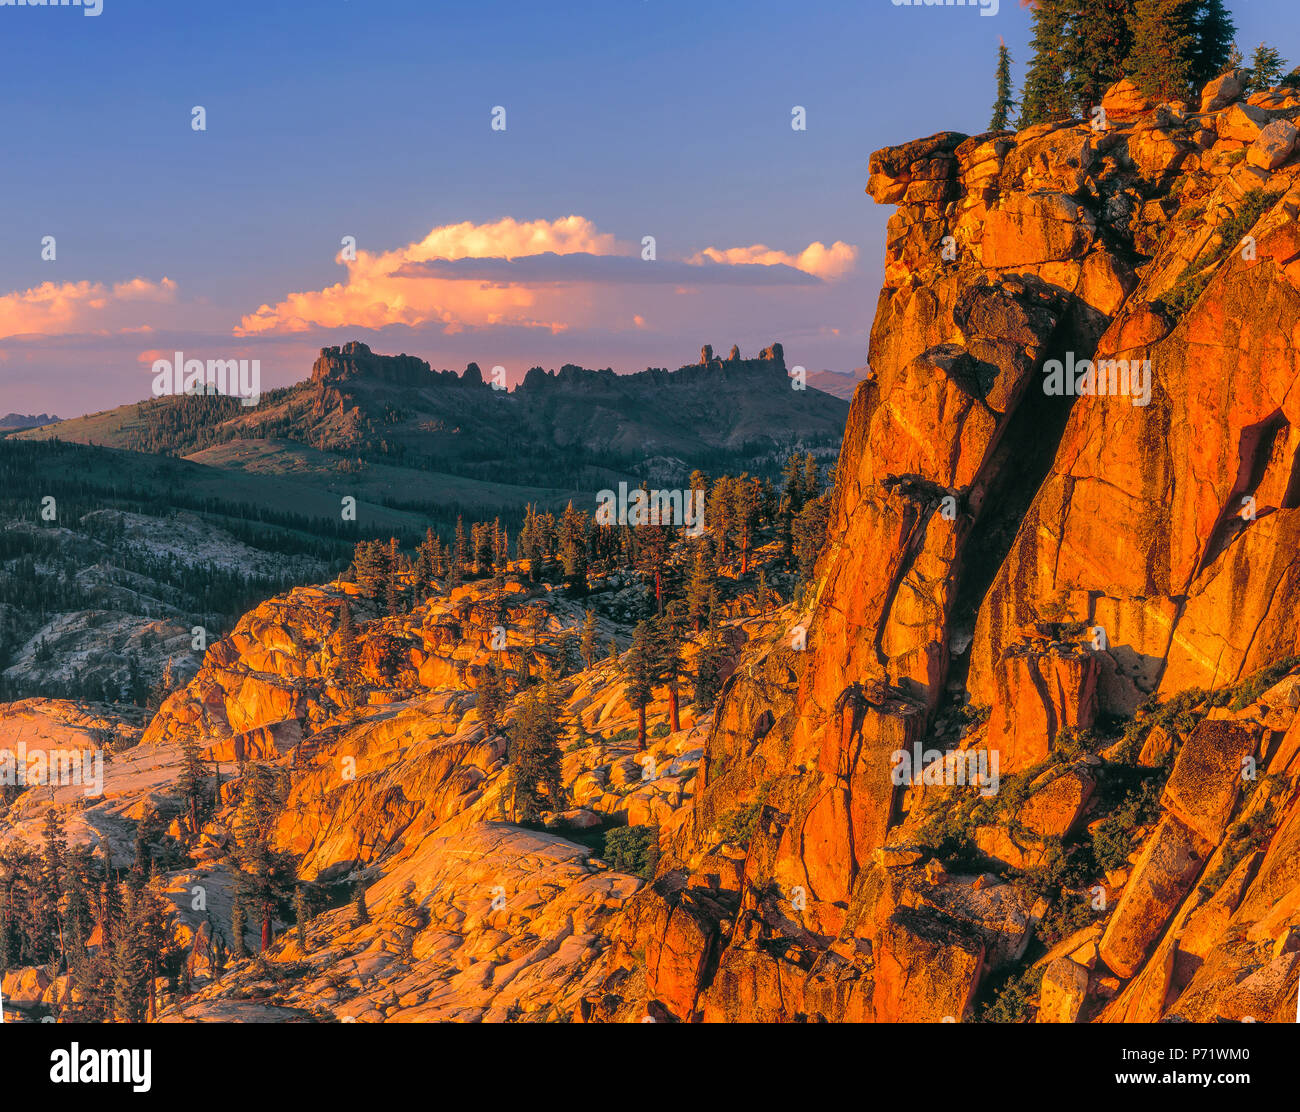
<point x="266" y="930"/>
<point x="640" y="727"/>
<point x="672" y="707"/>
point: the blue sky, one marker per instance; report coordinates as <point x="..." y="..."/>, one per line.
<point x="371" y="118"/>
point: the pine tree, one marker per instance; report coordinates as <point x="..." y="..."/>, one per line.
<point x="812" y="477"/>
<point x="426" y="565"/>
<point x="51" y="882"/>
<point x="300" y="916"/>
<point x="1004" y="103"/>
<point x="158" y="693"/>
<point x="535" y="757"/>
<point x="768" y="502"/>
<point x="528" y="545"/>
<point x="698" y="590"/>
<point x="669" y="644"/>
<point x="1162" y="60"/>
<point x="654" y="540"/>
<point x="588" y="643"/>
<point x="744" y="515"/>
<point x="108" y="910"/>
<point x="1215" y="49"/>
<point x="1046" y="96"/>
<point x="191" y="780"/>
<point x="90" y="969"/>
<point x="359" y="902"/>
<point x="483" y="548"/>
<point x="1095" y="50"/>
<point x="8" y="949"/>
<point x="130" y="964"/>
<point x="370" y="569"/>
<point x="393" y="590"/>
<point x="809" y="534"/>
<point x="155" y="939"/>
<point x="564" y="640"/>
<point x="145" y="831"/>
<point x="136" y="689"/>
<point x="638" y="668"/>
<point x="77" y="915"/>
<point x="346" y="635"/>
<point x="708" y="663"/>
<point x="490" y="698"/>
<point x="500" y="544"/>
<point x="539" y="619"/>
<point x="264" y="875"/>
<point x="573" y="550"/>
<point x="1266" y="69"/>
<point x="459" y="553"/>
<point x="238" y="924"/>
<point x="719" y="508"/>
<point x="143" y="946"/>
<point x="546" y="540"/>
<point x="792" y="483"/>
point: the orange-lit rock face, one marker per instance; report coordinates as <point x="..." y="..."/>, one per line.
<point x="1050" y="560"/>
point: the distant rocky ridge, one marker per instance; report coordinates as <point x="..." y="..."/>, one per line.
<point x="23" y="421"/>
<point x="354" y="360"/>
<point x="575" y="428"/>
<point x="839" y="384"/>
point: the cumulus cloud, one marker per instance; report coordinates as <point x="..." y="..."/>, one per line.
<point x="508" y="239"/>
<point x="531" y="274"/>
<point x="606" y="270"/>
<point x="827" y="263"/>
<point x="390" y="287"/>
<point x="68" y="308"/>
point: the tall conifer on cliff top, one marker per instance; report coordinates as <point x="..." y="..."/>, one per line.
<point x="1095" y="49"/>
<point x="1162" y="61"/>
<point x="1046" y="96"/>
<point x="1214" y="46"/>
<point x="1004" y="103"/>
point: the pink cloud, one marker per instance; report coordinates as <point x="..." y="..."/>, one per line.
<point x="387" y="288"/>
<point x="817" y="259"/>
<point x="68" y="308"/>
